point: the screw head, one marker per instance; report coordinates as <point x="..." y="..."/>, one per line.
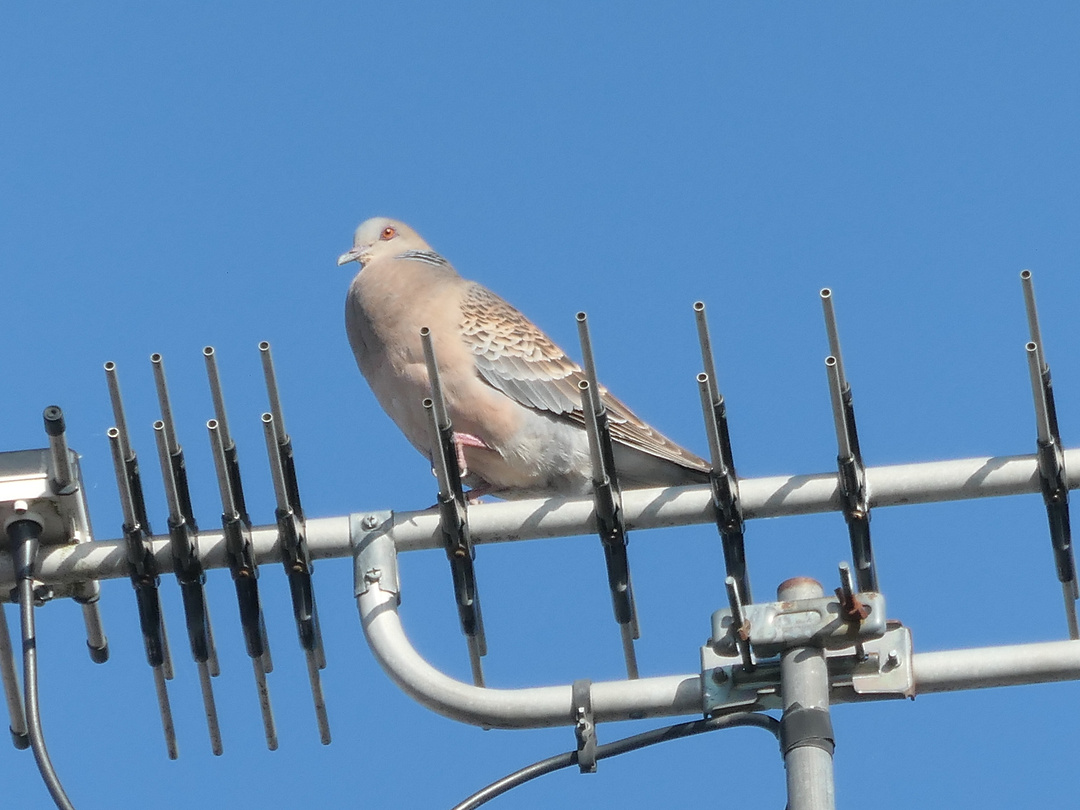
<point x="370" y="522"/>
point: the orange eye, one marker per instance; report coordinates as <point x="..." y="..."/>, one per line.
<point x="388" y="232"/>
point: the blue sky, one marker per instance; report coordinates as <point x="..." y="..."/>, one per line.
<point x="177" y="175"/>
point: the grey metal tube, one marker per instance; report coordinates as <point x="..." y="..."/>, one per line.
<point x="12" y="690"/>
<point x="511" y="708"/>
<point x="672" y="695"/>
<point x="984" y="667"/>
<point x="928" y="482"/>
<point x="804" y="687"/>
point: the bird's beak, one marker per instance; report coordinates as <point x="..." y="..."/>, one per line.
<point x="352" y="256"/>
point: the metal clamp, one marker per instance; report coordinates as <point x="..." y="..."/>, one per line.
<point x="584" y="725"/>
<point x="884" y="670"/>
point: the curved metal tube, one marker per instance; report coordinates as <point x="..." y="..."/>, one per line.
<point x="533" y="707"/>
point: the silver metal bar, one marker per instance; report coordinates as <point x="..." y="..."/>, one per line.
<point x="167" y="664"/>
<point x="127" y="505"/>
<point x="804" y="688"/>
<point x="165" y="709"/>
<point x="172" y="495"/>
<point x="740" y="626"/>
<point x="168" y="425"/>
<point x="434" y="378"/>
<point x="12" y="691"/>
<point x="1032" y="316"/>
<point x="272" y="390"/>
<point x="652" y="508"/>
<point x="836" y="394"/>
<point x="212" y="662"/>
<point x="706" y="388"/>
<point x="118" y="409"/>
<point x="665" y="696"/>
<point x="627" y="634"/>
<point x="210" y="708"/>
<point x="218" y="435"/>
<point x="833" y="334"/>
<point x="216" y="395"/>
<point x="273" y="450"/>
<point x="588" y="362"/>
<point x="985" y="667"/>
<point x="95" y="631"/>
<point x="1042" y="409"/>
<point x="475" y="654"/>
<point x="439" y="462"/>
<point x="1068" y="593"/>
<point x="321" y="718"/>
<point x="269" y="728"/>
<point x="707" y="363"/>
<point x="59" y="454"/>
<point x="592" y="432"/>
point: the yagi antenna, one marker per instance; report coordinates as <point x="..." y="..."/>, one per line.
<point x="797" y="655"/>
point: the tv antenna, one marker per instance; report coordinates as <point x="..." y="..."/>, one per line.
<point x="799" y="654"/>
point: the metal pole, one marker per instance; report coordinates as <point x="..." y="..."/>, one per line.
<point x="806" y="730"/>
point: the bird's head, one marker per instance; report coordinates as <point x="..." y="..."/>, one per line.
<point x="381" y="236"/>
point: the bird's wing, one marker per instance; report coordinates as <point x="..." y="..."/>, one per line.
<point x="515" y="357"/>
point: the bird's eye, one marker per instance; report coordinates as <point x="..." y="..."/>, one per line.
<point x="388" y="232"/>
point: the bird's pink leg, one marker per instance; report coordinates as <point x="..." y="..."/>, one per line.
<point x="461" y="441"/>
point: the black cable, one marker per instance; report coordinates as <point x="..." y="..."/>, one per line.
<point x="623" y="746"/>
<point x="24" y="537"/>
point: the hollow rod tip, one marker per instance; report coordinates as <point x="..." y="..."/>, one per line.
<point x="825" y="292"/>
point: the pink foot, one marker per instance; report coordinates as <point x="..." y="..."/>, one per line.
<point x="461" y="441"/>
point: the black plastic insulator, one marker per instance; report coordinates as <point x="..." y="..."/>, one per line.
<point x="54" y="420"/>
<point x="297" y="563"/>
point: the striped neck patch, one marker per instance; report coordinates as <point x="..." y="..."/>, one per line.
<point x="428" y="256"/>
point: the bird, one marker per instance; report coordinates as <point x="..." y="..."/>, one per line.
<point x="512" y="394"/>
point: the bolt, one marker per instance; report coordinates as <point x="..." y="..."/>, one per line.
<point x="719" y="675"/>
<point x="893" y="659"/>
<point x="373" y="575"/>
<point x="370" y="522"/>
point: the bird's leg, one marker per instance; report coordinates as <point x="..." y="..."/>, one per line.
<point x="461" y="441"/>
